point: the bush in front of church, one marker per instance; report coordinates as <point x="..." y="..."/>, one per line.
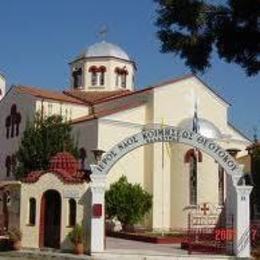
<point x="127" y="202"/>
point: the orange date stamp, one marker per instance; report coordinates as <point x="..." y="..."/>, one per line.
<point x="229" y="234"/>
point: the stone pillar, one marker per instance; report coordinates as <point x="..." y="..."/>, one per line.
<point x="242" y="246"/>
<point x="229" y="210"/>
<point x="97" y="237"/>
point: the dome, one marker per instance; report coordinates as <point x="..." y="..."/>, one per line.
<point x="206" y="128"/>
<point x="104" y="49"/>
<point x="64" y="161"/>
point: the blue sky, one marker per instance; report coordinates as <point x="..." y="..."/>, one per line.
<point x="39" y="38"/>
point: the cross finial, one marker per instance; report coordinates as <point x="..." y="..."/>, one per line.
<point x="103" y="32"/>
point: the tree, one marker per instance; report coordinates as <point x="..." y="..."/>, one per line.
<point x="128" y="202"/>
<point x="194" y="28"/>
<point x="43" y="138"/>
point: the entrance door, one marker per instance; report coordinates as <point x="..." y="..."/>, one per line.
<point x="50" y="219"/>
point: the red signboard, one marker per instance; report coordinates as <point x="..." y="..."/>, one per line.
<point x="97" y="211"/>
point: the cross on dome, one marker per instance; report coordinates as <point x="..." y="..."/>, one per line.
<point x="103" y="32"/>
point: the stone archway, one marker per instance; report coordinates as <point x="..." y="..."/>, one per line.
<point x="237" y="196"/>
<point x="50" y="219"/>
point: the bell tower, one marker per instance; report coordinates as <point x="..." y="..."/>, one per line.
<point x="2" y="86"/>
<point x="103" y="66"/>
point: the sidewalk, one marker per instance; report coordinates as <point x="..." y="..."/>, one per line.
<point x="117" y="249"/>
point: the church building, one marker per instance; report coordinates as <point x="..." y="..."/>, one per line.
<point x="104" y="107"/>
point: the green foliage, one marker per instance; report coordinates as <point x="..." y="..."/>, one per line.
<point x="128" y="202"/>
<point x="193" y="28"/>
<point x="76" y="236"/>
<point x="15" y="234"/>
<point x="43" y="138"/>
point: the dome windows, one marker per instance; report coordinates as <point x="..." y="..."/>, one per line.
<point x="97" y="75"/>
<point x="102" y="67"/>
<point x="77" y="78"/>
<point x="102" y="75"/>
<point x="121" y="75"/>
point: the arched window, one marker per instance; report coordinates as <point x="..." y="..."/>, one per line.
<point x="94" y="78"/>
<point x="72" y="212"/>
<point x="102" y="70"/>
<point x="193" y="152"/>
<point x="220" y="185"/>
<point x="77" y="78"/>
<point x="193" y="156"/>
<point x="12" y="122"/>
<point x="193" y="180"/>
<point x="94" y="75"/>
<point x="32" y="211"/>
<point x="121" y="75"/>
<point x="123" y="80"/>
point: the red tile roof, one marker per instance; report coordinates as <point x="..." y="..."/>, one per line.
<point x="79" y="177"/>
<point x="64" y="166"/>
<point x="93" y="97"/>
<point x="48" y="94"/>
<point x="108" y="112"/>
<point x="149" y="88"/>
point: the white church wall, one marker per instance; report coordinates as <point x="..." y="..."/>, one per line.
<point x="113" y="129"/>
<point x="234" y="144"/>
<point x="172" y="104"/>
<point x="179" y="100"/>
<point x="142" y="97"/>
<point x="208" y="181"/>
<point x="26" y="107"/>
<point x="68" y="111"/>
<point x="180" y="205"/>
<point x="46" y="182"/>
<point x="86" y="135"/>
<point x="161" y="187"/>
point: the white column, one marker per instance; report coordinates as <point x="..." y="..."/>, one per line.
<point x="229" y="209"/>
<point x="242" y="246"/>
<point x="97" y="237"/>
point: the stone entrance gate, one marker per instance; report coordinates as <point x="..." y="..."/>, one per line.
<point x="237" y="202"/>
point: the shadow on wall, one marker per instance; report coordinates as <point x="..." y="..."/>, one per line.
<point x="85" y="203"/>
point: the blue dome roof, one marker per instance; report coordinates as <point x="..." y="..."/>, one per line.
<point x="206" y="128"/>
<point x="104" y="49"/>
